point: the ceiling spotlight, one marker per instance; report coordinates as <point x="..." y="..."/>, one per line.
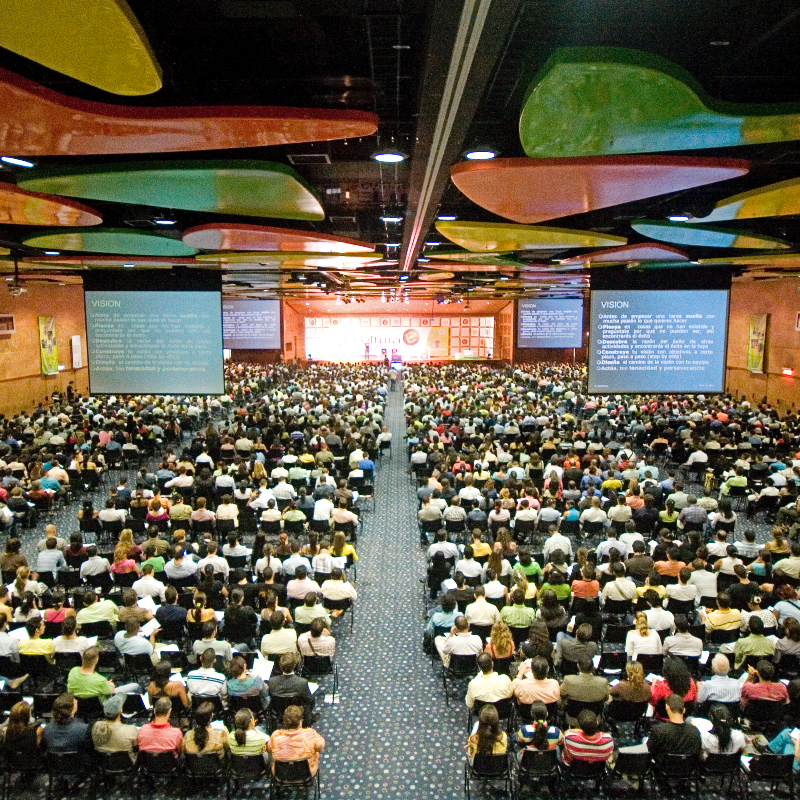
<point x="432" y="244"/>
<point x="389" y="155"/>
<point x="163" y="221"/>
<point x="128" y="266"/>
<point x="51" y="252"/>
<point x="391" y="219"/>
<point x="481" y="153"/>
<point x="679" y="217"/>
<point x="423" y="260"/>
<point x="446" y="217"/>
<point x="404" y="277"/>
<point x="17" y="162"/>
<point x="393" y="244"/>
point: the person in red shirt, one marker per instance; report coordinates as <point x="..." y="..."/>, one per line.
<point x="159" y="736"/>
<point x="587" y="742"/>
<point x="761" y="685"/>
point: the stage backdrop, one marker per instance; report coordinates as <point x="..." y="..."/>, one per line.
<point x="346" y="338"/>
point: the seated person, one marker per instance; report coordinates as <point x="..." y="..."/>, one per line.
<point x="110" y="734"/>
<point x="206" y="680"/>
<point x="279" y="640"/>
<point x="65" y="734"/>
<point x="675" y="736"/>
<point x="285" y="683"/>
<point x="587" y="742"/>
<point x="539" y="734"/>
<point x="488" y="686"/>
<point x="761" y="685"/>
<point x="219" y="646"/>
<point x="159" y="736"/>
<point x="294" y="742"/>
<point x="202" y="739"/>
<point x="487" y="739"/>
<point x="719" y="688"/>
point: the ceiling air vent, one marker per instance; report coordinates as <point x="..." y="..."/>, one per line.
<point x="299" y="159"/>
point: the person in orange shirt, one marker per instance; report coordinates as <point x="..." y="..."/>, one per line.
<point x="672" y="566"/>
<point x="294" y="743"/>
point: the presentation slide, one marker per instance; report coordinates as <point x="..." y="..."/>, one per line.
<point x="657" y="341"/>
<point x="154" y="342"/>
<point x="251" y="324"/>
<point x="550" y="323"/>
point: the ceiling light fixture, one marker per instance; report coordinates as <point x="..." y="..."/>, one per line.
<point x="393" y="244"/>
<point x="128" y="265"/>
<point x="423" y="260"/>
<point x="679" y="217"/>
<point x="17" y="162"/>
<point x="446" y="218"/>
<point x="389" y="155"/>
<point x="51" y="252"/>
<point x="404" y="277"/>
<point x="481" y="153"/>
<point x="432" y="244"/>
<point x="163" y="221"/>
<point x="391" y="219"/>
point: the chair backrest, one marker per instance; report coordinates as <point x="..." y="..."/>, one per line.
<point x="247" y="767"/>
<point x="651" y="662"/>
<point x="721" y="763"/>
<point x="68" y="763"/>
<point x="505" y="707"/>
<point x="616" y="634"/>
<point x="463" y="664"/>
<point x="768" y="766"/>
<point x="490" y="765"/>
<point x="759" y="710"/>
<point x="574" y="707"/>
<point x="102" y="630"/>
<point x="587" y="769"/>
<point x="157" y="763"/>
<point x="205" y="766"/>
<point x="626" y="711"/>
<point x="679" y="767"/>
<point x="538" y="762"/>
<point x="292" y="771"/>
<point x="633" y="764"/>
<point x="278" y="704"/>
<point x="317" y="665"/>
<point x="618" y="607"/>
<point x="118" y="763"/>
<point x="89" y="708"/>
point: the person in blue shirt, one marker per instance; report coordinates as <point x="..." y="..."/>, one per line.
<point x="445" y="617"/>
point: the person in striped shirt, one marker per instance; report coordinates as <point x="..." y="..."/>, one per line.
<point x="587" y="742"/>
<point x="246" y="740"/>
<point x="206" y="681"/>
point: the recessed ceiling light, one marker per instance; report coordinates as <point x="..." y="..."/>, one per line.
<point x="679" y="218"/>
<point x="481" y="153"/>
<point x="426" y="260"/>
<point x="432" y="244"/>
<point x="404" y="277"/>
<point x="393" y="244"/>
<point x="391" y="219"/>
<point x="446" y="217"/>
<point x="51" y="252"/>
<point x="17" y="162"/>
<point x="128" y="265"/>
<point x="389" y="155"/>
<point x="164" y="221"/>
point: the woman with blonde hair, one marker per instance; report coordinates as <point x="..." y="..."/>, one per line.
<point x="520" y="581"/>
<point x="641" y="639"/>
<point x="258" y="472"/>
<point x="633" y="688"/>
<point x="23" y="583"/>
<point x="501" y="642"/>
<point x="123" y="563"/>
<point x="126" y="538"/>
<point x="198" y="612"/>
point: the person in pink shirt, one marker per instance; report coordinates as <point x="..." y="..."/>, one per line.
<point x="159" y="736"/>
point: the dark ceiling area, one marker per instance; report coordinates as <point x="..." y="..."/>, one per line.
<point x="442" y="76"/>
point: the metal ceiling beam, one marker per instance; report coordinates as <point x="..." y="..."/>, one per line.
<point x="466" y="41"/>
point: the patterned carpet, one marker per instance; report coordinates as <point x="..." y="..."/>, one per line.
<point x="390" y="734"/>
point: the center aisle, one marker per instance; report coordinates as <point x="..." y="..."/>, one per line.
<point x="391" y="735"/>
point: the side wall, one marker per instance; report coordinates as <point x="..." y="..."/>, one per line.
<point x="22" y="386"/>
<point x="504" y="333"/>
<point x="294" y="333"/>
<point x="781" y="300"/>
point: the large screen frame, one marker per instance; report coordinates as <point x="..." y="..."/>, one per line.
<point x="176" y="279"/>
<point x="548" y="301"/>
<point x="592" y="381"/>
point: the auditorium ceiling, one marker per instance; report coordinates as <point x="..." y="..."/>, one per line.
<point x="241" y="135"/>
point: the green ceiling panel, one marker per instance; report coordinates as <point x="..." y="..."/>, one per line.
<point x="247" y="188"/>
<point x="597" y="101"/>
<point x="111" y="240"/>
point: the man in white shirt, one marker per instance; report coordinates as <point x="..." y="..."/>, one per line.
<point x="259" y="501"/>
<point x="480" y="611"/>
<point x="469" y="491"/>
<point x="682" y="590"/>
<point x="621" y="588"/>
<point x="221" y="566"/>
<point x="468" y="566"/>
<point x="148" y="586"/>
<point x="594" y="513"/>
<point x="658" y="618"/>
<point x="488" y="686"/>
<point x="604" y="548"/>
<point x="323" y="510"/>
<point x="682" y="643"/>
<point x="460" y="642"/>
<point x="557" y="542"/>
<point x="441" y="545"/>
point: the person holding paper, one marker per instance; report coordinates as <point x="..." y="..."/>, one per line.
<point x="84" y="681"/>
<point x="162" y="685"/>
<point x="787" y="743"/>
<point x="287" y="684"/>
<point x="130" y="643"/>
<point x="209" y="640"/>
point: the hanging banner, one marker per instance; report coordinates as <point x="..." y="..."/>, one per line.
<point x="47" y="345"/>
<point x="756" y="342"/>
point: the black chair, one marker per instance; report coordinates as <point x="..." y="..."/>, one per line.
<point x="102" y="630"/>
<point x="89" y="708"/>
<point x="574" y="707"/>
<point x="293" y="774"/>
<point x="685" y="607"/>
<point x="678" y="771"/>
<point x="68" y="766"/>
<point x="110" y="767"/>
<point x="155" y="766"/>
<point x="203" y="769"/>
<point x="461" y="667"/>
<point x="320" y="667"/>
<point x="539" y="766"/>
<point x="279" y="704"/>
<point x="245" y="769"/>
<point x="504" y="707"/>
<point x="66" y="661"/>
<point x="772" y="769"/>
<point x="765" y="716"/>
<point x="495" y="768"/>
<point x="625" y="711"/>
<point x="618" y="607"/>
<point x="789" y="666"/>
<point x="722" y="766"/>
<point x="583" y="771"/>
<point x="38" y="667"/>
<point x="28" y="764"/>
<point x="637" y="766"/>
<point x="253" y="702"/>
<point x="651" y="662"/>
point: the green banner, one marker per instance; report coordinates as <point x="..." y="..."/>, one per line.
<point x="47" y="345"/>
<point x="756" y="342"/>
